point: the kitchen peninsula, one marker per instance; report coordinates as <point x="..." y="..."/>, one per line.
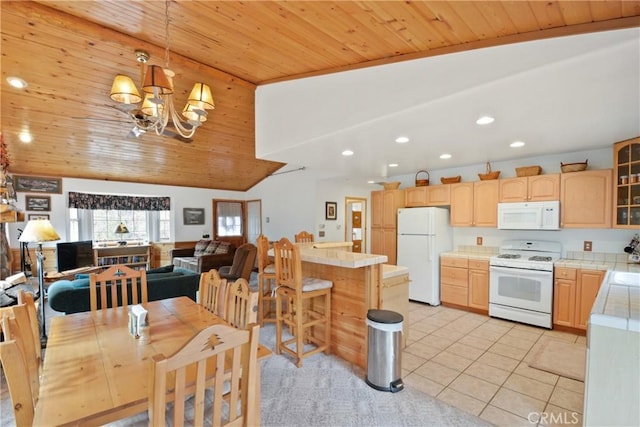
<point x="357" y="287"/>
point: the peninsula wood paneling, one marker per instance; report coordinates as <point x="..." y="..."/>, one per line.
<point x="70" y="51"/>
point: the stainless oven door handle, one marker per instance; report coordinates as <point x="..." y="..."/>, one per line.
<point x="520" y="271"/>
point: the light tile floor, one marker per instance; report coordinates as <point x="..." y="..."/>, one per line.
<point x="480" y="365"/>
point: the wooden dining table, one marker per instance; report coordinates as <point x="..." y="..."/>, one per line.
<point x="96" y="372"/>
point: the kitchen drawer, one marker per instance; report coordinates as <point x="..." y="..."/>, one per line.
<point x="565" y="273"/>
<point x="454" y="276"/>
<point x="454" y="262"/>
<point x="478" y="264"/>
<point x="454" y="294"/>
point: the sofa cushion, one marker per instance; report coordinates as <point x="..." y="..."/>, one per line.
<point x="164" y="269"/>
<point x="201" y="246"/>
<point x="186" y="262"/>
<point x="223" y="248"/>
<point x="211" y="248"/>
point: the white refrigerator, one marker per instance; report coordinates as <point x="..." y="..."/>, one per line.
<point x="423" y="233"/>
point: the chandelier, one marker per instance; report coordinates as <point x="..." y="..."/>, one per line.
<point x="157" y="104"/>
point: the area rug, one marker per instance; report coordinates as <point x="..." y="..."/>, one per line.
<point x="561" y="358"/>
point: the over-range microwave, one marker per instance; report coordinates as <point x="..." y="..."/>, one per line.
<point x="529" y="216"/>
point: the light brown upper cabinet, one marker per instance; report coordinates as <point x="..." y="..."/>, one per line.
<point x="530" y="188"/>
<point x="585" y="199"/>
<point x="431" y="195"/>
<point x="474" y="204"/>
<point x="384" y="220"/>
<point x="626" y="161"/>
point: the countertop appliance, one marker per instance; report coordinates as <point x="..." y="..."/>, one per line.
<point x="521" y="281"/>
<point x="529" y="216"/>
<point x="423" y="233"/>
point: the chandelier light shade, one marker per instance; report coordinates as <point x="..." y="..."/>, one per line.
<point x="157" y="107"/>
<point x="124" y="90"/>
<point x="201" y="97"/>
<point x="156" y="81"/>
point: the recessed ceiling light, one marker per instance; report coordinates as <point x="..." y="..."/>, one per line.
<point x="17" y="82"/>
<point x="402" y="139"/>
<point x="516" y="144"/>
<point x="25" y="137"/>
<point x="371" y="182"/>
<point x="393" y="165"/>
<point x="347" y="153"/>
<point x="485" y="120"/>
<point x="445" y="156"/>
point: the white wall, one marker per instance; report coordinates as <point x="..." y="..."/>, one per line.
<point x="295" y="201"/>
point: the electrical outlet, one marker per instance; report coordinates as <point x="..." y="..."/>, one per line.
<point x="587" y="246"/>
<point x="321" y="234"/>
<point x="479" y="241"/>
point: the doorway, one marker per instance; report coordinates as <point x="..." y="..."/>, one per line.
<point x="355" y="223"/>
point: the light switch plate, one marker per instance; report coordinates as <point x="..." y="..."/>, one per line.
<point x="587" y="246"/>
<point x="479" y="241"/>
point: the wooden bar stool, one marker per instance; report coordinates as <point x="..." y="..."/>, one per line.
<point x="266" y="277"/>
<point x="304" y="237"/>
<point x="308" y="305"/>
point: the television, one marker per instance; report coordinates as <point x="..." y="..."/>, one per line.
<point x="72" y="255"/>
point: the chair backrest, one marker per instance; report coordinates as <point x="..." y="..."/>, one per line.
<point x="242" y="305"/>
<point x="17" y="327"/>
<point x="27" y="299"/>
<point x="211" y="345"/>
<point x="262" y="244"/>
<point x="288" y="264"/>
<point x="17" y="376"/>
<point x="124" y="285"/>
<point x="243" y="261"/>
<point x="212" y="292"/>
<point x="304" y="237"/>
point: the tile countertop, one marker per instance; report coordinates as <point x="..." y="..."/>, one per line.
<point x="389" y="271"/>
<point x="618" y="302"/>
<point x="338" y="257"/>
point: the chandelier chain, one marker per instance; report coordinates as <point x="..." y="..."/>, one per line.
<point x="166" y="34"/>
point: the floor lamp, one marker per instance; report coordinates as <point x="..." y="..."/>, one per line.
<point x="39" y="231"/>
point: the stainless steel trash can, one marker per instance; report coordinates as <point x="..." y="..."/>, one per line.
<point x="384" y="359"/>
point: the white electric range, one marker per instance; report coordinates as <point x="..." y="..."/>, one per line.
<point x="521" y="281"/>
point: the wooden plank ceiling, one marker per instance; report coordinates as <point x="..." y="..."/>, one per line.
<point x="70" y="51"/>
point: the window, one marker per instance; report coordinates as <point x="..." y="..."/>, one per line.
<point x="229" y="218"/>
<point x="101" y="224"/>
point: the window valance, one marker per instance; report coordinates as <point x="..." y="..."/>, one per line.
<point x="115" y="202"/>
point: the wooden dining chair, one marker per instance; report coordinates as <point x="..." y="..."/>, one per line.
<point x="210" y="347"/>
<point x="242" y="305"/>
<point x="17" y="327"/>
<point x="266" y="282"/>
<point x="27" y="299"/>
<point x="302" y="303"/>
<point x="119" y="285"/>
<point x="212" y="292"/>
<point x="304" y="237"/>
<point x="17" y="377"/>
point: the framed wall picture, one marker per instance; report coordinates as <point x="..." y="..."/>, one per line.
<point x="193" y="216"/>
<point x="38" y="216"/>
<point x="38" y="203"/>
<point x="37" y="184"/>
<point x="331" y="210"/>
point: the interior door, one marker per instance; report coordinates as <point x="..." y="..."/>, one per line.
<point x="254" y="220"/>
<point x="355" y="229"/>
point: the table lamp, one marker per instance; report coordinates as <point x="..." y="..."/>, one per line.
<point x="122" y="229"/>
<point x="39" y="231"/>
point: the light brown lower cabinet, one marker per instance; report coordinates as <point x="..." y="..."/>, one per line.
<point x="394" y="296"/>
<point x="464" y="282"/>
<point x="574" y="292"/>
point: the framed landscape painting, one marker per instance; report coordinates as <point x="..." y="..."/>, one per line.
<point x="36" y="184"/>
<point x="38" y="203"/>
<point x="193" y="216"/>
<point x="38" y="216"/>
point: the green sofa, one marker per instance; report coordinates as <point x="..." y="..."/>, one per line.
<point x="72" y="296"/>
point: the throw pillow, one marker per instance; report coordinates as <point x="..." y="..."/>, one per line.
<point x="223" y="248"/>
<point x="200" y="247"/>
<point x="211" y="249"/>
